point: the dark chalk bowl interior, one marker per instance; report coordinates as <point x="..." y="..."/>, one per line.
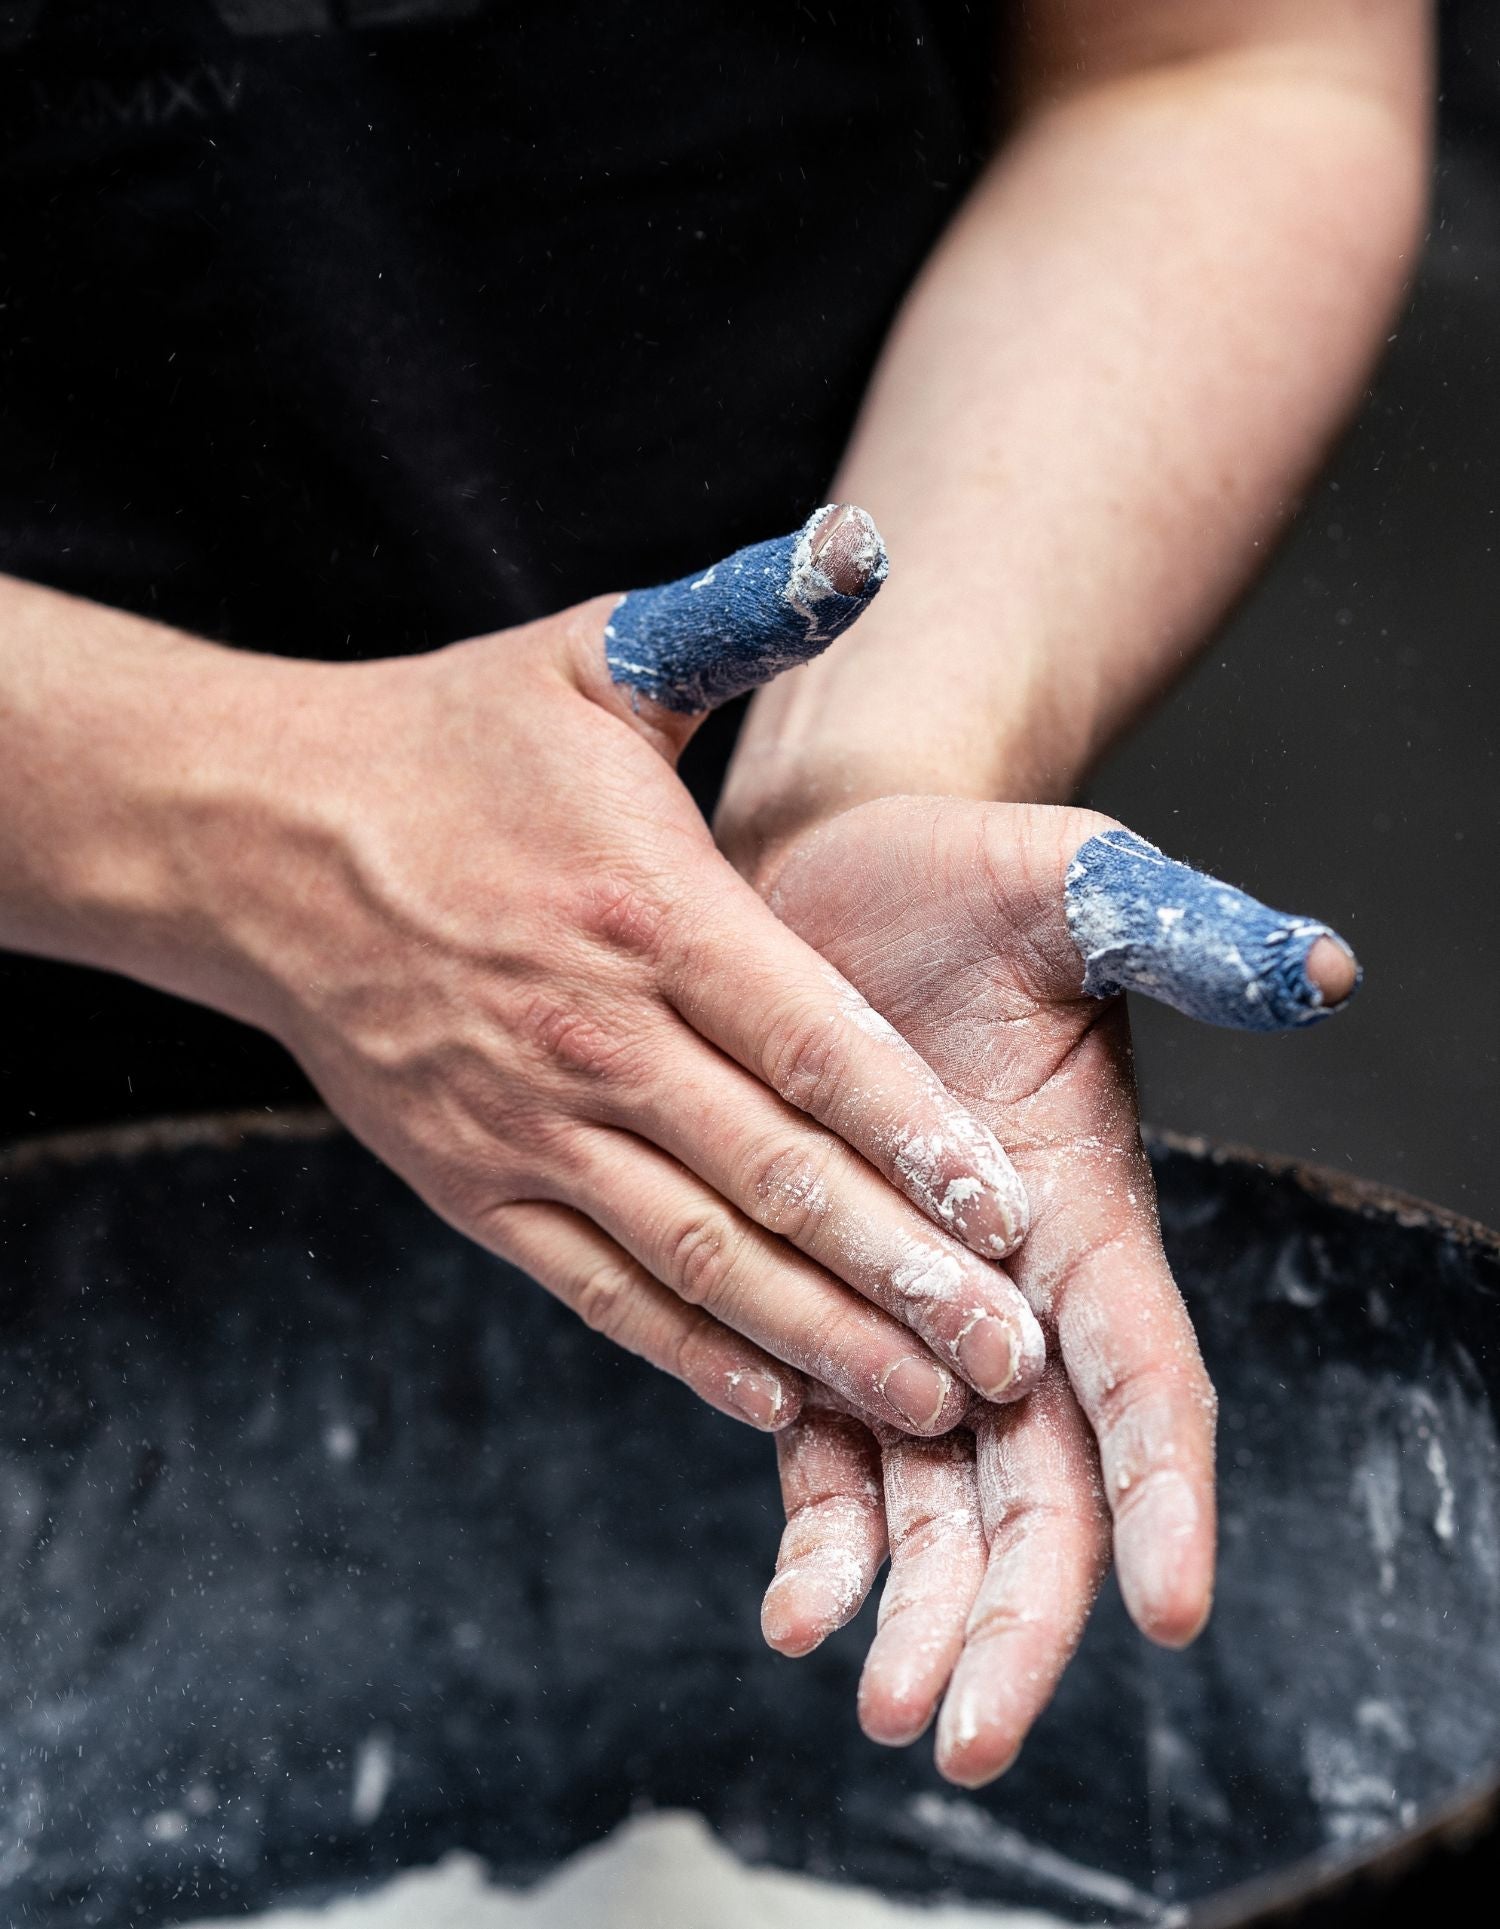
<point x="330" y="1544"/>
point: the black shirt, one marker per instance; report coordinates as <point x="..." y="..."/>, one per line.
<point x="345" y="329"/>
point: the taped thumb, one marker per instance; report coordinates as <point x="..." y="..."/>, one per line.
<point x="674" y="653"/>
<point x="1143" y="922"/>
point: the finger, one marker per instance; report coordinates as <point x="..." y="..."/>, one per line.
<point x="1131" y="1355"/>
<point x="937" y="1563"/>
<point x="1142" y="922"/>
<point x="693" y="644"/>
<point x="771" y="1003"/>
<point x="834" y="1541"/>
<point x="1095" y="1269"/>
<point x="1047" y="1529"/>
<point x="713" y="1257"/>
<point x="805" y="1185"/>
<point x="587" y="1271"/>
<point x="663" y="658"/>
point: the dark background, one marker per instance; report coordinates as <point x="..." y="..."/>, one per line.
<point x="1333" y="751"/>
<point x="1336" y="749"/>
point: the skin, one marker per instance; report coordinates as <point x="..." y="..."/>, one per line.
<point x="468" y="891"/>
<point x="1105" y="392"/>
<point x="1094" y="412"/>
<point x="1333" y="970"/>
<point x="948" y="916"/>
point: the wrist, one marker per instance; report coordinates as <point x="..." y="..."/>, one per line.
<point x="154" y="776"/>
<point x="256" y="845"/>
<point x="776" y="796"/>
<point x="809" y="753"/>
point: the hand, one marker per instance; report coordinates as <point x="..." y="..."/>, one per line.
<point x="948" y="916"/>
<point x="478" y="905"/>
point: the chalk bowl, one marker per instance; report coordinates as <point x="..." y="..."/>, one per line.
<point x="331" y="1544"/>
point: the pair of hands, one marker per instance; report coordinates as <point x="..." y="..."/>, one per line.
<point x="497" y="933"/>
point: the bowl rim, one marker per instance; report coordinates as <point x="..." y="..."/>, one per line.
<point x="187" y="1131"/>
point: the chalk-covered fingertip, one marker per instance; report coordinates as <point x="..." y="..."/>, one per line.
<point x="1333" y="972"/>
<point x="808" y="1601"/>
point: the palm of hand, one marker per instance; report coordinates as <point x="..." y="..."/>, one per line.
<point x="948" y="917"/>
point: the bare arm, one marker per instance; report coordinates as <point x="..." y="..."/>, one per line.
<point x="1095" y="410"/>
<point x="1106" y="390"/>
<point x="467" y="890"/>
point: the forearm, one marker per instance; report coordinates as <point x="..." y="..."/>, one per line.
<point x="1098" y="405"/>
<point x="139" y="766"/>
<point x="468" y="891"/>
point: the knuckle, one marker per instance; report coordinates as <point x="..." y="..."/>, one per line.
<point x="1076" y="1268"/>
<point x="623" y="914"/>
<point x="836" y="1354"/>
<point x="1012" y="1610"/>
<point x="702" y="1258"/>
<point x="1141" y="1421"/>
<point x="949" y="1532"/>
<point x="994" y="1620"/>
<point x="605" y="1298"/>
<point x="695" y="1353"/>
<point x="805" y="1059"/>
<point x="583" y="1044"/>
<point x="1133" y="1489"/>
<point x="788" y="1179"/>
<point x="1020" y="1520"/>
<point x="477" y="1182"/>
<point x="843" y="1519"/>
<point x="1127" y="1404"/>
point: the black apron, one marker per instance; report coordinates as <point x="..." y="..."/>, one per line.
<point x="342" y="329"/>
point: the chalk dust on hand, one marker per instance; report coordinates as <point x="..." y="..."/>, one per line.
<point x="664" y="1871"/>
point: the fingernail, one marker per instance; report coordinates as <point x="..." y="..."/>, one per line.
<point x="989" y="1355"/>
<point x="967" y="1736"/>
<point x="847" y="549"/>
<point x="959" y="1174"/>
<point x="758" y="1397"/>
<point x="917" y="1390"/>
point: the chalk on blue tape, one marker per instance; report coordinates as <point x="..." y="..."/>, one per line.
<point x="1145" y="923"/>
<point x="695" y="643"/>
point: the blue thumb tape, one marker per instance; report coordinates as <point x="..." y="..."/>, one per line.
<point x="695" y="643"/>
<point x="1142" y="922"/>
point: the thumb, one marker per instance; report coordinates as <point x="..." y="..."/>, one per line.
<point x="1142" y="922"/>
<point x="672" y="654"/>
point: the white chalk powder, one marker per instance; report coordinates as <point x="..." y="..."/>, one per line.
<point x="664" y="1871"/>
